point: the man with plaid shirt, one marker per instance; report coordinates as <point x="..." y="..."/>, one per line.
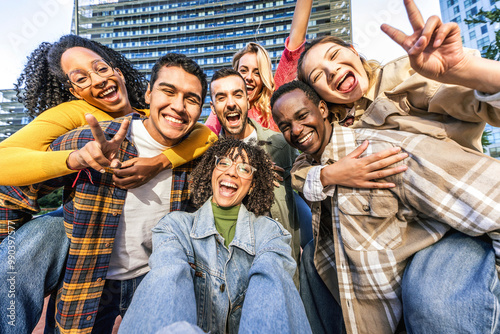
<point x="110" y="228"/>
<point x="365" y="238"/>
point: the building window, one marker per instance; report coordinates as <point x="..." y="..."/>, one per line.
<point x="471" y="12"/>
<point x="451" y="3"/>
<point x="484" y="29"/>
<point x="481" y="43"/>
<point x="472" y="35"/>
<point x="495" y="152"/>
<point x="456" y="10"/>
<point x="468" y="3"/>
<point x="492" y="2"/>
<point x="456" y="19"/>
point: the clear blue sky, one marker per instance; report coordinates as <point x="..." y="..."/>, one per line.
<point x="26" y="23"/>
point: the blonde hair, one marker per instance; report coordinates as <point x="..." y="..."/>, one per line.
<point x="266" y="74"/>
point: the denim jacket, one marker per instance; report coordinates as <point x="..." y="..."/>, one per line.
<point x="195" y="278"/>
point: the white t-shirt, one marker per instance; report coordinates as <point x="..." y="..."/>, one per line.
<point x="144" y="207"/>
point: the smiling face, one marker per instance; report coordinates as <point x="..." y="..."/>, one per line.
<point x="108" y="94"/>
<point x="335" y="72"/>
<point x="230" y="104"/>
<point x="304" y="125"/>
<point x="248" y="67"/>
<point x="175" y="105"/>
<point x="228" y="188"/>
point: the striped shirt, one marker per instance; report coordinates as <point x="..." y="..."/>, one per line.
<point x="91" y="220"/>
<point x="365" y="237"/>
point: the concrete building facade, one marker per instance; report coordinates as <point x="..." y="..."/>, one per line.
<point x="208" y="31"/>
<point x="12" y="116"/>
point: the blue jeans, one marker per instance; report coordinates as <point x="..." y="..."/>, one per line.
<point x="115" y="300"/>
<point x="323" y="311"/>
<point x="305" y="219"/>
<point x="452" y="287"/>
<point x="39" y="252"/>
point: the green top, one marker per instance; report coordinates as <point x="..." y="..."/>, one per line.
<point x="225" y="221"/>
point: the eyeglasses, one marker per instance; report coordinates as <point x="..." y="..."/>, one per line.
<point x="243" y="169"/>
<point x="82" y="79"/>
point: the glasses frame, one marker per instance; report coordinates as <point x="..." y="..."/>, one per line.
<point x="91" y="71"/>
<point x="253" y="169"/>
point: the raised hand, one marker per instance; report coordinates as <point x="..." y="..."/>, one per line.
<point x="435" y="48"/>
<point x="99" y="153"/>
<point x="355" y="172"/>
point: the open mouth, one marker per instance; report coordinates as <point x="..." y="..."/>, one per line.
<point x="305" y="138"/>
<point x="173" y="119"/>
<point x="250" y="90"/>
<point x="227" y="188"/>
<point x="108" y="94"/>
<point x="233" y="118"/>
<point x="347" y="82"/>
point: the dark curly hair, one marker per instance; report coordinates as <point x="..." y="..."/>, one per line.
<point x="260" y="199"/>
<point x="43" y="85"/>
<point x="293" y="85"/>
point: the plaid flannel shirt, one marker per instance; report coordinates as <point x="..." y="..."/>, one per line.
<point x="19" y="204"/>
<point x="91" y="219"/>
<point x="365" y="237"/>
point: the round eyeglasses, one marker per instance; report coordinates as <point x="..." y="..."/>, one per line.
<point x="243" y="169"/>
<point x="82" y="79"/>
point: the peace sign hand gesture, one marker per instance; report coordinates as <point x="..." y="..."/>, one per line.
<point x="99" y="153"/>
<point x="435" y="48"/>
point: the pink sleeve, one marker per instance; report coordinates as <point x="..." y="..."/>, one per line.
<point x="213" y="124"/>
<point x="287" y="67"/>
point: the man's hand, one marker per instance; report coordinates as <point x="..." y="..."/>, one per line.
<point x="352" y="171"/>
<point x="277" y="177"/>
<point x="135" y="172"/>
<point x="99" y="153"/>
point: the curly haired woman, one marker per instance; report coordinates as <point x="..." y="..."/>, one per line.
<point x="225" y="267"/>
<point x="49" y="92"/>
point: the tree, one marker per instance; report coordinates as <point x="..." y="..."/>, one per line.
<point x="52" y="200"/>
<point x="491" y="17"/>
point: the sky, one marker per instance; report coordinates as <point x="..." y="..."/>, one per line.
<point x="24" y="24"/>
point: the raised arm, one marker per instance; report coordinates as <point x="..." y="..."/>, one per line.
<point x="294" y="45"/>
<point x="166" y="295"/>
<point x="300" y="21"/>
<point x="436" y="52"/>
<point x="25" y="159"/>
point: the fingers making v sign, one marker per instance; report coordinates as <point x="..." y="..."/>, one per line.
<point x="99" y="153"/>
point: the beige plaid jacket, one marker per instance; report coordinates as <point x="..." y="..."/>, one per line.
<point x="364" y="238"/>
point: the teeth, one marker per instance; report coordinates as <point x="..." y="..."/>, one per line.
<point x="228" y="184"/>
<point x="171" y="119"/>
<point x="232" y="114"/>
<point x="305" y="138"/>
<point x="108" y="91"/>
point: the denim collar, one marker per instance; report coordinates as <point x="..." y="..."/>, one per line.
<point x="244" y="237"/>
